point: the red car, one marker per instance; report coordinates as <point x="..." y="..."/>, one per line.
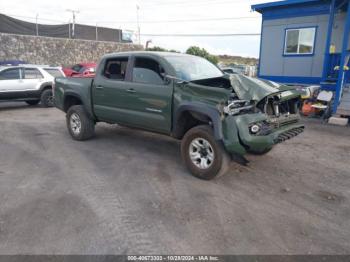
<point x="80" y="70"/>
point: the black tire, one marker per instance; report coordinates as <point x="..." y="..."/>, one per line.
<point x="221" y="159"/>
<point x="87" y="125"/>
<point x="32" y="102"/>
<point x="46" y="98"/>
<point x="260" y="153"/>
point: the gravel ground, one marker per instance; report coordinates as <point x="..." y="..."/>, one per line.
<point x="127" y="192"/>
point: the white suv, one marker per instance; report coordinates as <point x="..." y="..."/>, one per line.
<point x="29" y="83"/>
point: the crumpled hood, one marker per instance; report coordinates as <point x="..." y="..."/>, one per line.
<point x="248" y="88"/>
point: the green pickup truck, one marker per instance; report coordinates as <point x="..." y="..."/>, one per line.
<point x="216" y="115"/>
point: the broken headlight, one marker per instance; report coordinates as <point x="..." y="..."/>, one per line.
<point x="254" y="129"/>
<point x="234" y="107"/>
<point x="262" y="128"/>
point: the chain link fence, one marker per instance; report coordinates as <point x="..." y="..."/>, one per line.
<point x="12" y="25"/>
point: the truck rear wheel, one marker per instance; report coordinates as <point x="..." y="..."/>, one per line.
<point x="46" y="98"/>
<point x="79" y="124"/>
<point x="205" y="157"/>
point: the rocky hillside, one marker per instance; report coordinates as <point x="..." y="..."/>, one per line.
<point x="227" y="60"/>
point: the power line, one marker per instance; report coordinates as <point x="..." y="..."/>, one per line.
<point x="208" y="2"/>
<point x="184" y="20"/>
<point x="32" y="17"/>
<point x="154" y="21"/>
<point x="201" y="35"/>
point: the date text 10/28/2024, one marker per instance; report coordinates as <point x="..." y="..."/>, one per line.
<point x="172" y="258"/>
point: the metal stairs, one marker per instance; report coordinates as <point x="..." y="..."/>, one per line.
<point x="344" y="106"/>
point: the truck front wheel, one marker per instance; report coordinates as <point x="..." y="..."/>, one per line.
<point x="205" y="157"/>
<point x="79" y="125"/>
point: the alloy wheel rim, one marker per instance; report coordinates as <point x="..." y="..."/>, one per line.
<point x="201" y="153"/>
<point x="75" y="124"/>
<point x="49" y="100"/>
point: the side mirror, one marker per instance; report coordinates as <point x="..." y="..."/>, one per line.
<point x="166" y="79"/>
<point x="178" y="80"/>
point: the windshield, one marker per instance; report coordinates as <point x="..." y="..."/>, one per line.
<point x="77" y="68"/>
<point x="192" y="68"/>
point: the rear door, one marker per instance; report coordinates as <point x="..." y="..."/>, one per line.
<point x="32" y="79"/>
<point x="149" y="100"/>
<point x="110" y="90"/>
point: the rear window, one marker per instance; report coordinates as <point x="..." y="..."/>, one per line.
<point x="54" y="72"/>
<point x="115" y="68"/>
<point x="32" y="73"/>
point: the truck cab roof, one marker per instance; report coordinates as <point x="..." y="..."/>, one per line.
<point x="148" y="53"/>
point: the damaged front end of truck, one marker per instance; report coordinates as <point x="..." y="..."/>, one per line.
<point x="261" y="113"/>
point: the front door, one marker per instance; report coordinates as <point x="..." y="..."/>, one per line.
<point x="10" y="82"/>
<point x="149" y="102"/>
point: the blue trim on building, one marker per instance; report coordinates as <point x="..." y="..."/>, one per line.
<point x="344" y="54"/>
<point x="259" y="7"/>
<point x="328" y="40"/>
<point x="261" y="44"/>
<point x="299" y="55"/>
<point x="296" y="11"/>
<point x="293" y="79"/>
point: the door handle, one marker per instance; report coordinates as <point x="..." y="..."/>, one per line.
<point x="99" y="87"/>
<point x="131" y="90"/>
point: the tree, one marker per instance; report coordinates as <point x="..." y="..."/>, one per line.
<point x="161" y="49"/>
<point x="197" y="51"/>
<point x="156" y="48"/>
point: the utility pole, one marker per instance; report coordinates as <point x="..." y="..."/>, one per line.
<point x="36" y="25"/>
<point x="73" y="25"/>
<point x="69" y="33"/>
<point x="120" y="34"/>
<point x="96" y="32"/>
<point x="138" y="24"/>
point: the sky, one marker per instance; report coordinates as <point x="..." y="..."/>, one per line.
<point x="157" y="17"/>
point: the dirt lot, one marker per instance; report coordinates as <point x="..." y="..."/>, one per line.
<point x="127" y="192"/>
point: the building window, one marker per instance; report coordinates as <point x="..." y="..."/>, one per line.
<point x="300" y="41"/>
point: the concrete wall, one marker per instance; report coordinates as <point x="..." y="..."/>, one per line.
<point x="57" y="51"/>
<point x="272" y="61"/>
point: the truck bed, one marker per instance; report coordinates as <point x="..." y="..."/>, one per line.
<point x="75" y="87"/>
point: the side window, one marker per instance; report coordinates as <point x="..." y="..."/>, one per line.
<point x="115" y="68"/>
<point x="10" y="74"/>
<point x="147" y="71"/>
<point x="32" y="73"/>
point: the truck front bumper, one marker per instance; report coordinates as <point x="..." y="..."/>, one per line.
<point x="239" y="140"/>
